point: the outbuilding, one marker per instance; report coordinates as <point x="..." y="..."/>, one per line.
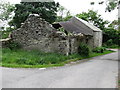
<point x="36" y="33"/>
<point x="92" y="34"/>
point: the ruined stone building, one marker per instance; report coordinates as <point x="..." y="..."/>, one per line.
<point x="38" y="34"/>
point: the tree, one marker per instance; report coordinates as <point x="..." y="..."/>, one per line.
<point x="46" y="10"/>
<point x="63" y="14"/>
<point x="61" y="11"/>
<point x="92" y="17"/>
<point x="110" y="4"/>
<point x="111" y="36"/>
<point x="67" y="18"/>
<point x="6" y="10"/>
<point x="114" y="24"/>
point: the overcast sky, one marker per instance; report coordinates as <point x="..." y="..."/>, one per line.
<point x="78" y="6"/>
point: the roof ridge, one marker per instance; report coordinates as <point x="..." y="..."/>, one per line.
<point x="88" y="24"/>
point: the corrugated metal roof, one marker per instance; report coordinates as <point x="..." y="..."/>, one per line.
<point x="76" y="25"/>
<point x="94" y="28"/>
<point x="73" y="28"/>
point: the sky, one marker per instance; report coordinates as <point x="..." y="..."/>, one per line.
<point x="79" y="6"/>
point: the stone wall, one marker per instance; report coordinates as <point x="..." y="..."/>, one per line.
<point x="97" y="38"/>
<point x="38" y="34"/>
<point x="93" y="41"/>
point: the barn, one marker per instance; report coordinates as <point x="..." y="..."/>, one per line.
<point x="92" y="34"/>
<point x="36" y="33"/>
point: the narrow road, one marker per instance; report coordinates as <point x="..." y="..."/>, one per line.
<point x="99" y="72"/>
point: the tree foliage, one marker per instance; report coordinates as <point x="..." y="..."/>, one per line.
<point x="6" y="10"/>
<point x="67" y="18"/>
<point x="111" y="36"/>
<point x="46" y="10"/>
<point x="92" y="3"/>
<point x="63" y="14"/>
<point x="114" y="24"/>
<point x="93" y="17"/>
<point x="110" y="4"/>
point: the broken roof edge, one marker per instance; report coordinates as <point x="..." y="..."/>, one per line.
<point x="94" y="28"/>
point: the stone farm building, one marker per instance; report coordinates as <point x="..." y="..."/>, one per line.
<point x="36" y="33"/>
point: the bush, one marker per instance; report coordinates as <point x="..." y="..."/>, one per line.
<point x="83" y="49"/>
<point x="13" y="45"/>
<point x="99" y="49"/>
<point x="109" y="42"/>
<point x="111" y="36"/>
<point x="4" y="34"/>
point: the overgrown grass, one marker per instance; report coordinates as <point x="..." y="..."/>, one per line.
<point x="37" y="59"/>
<point x="33" y="57"/>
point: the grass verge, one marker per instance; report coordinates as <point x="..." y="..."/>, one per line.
<point x="37" y="59"/>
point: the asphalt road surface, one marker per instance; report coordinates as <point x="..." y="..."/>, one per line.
<point x="99" y="72"/>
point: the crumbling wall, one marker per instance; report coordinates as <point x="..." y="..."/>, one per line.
<point x="90" y="41"/>
<point x="74" y="43"/>
<point x="93" y="41"/>
<point x="97" y="36"/>
<point x="38" y="34"/>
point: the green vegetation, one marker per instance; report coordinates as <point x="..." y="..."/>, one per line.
<point x="6" y="10"/>
<point x="111" y="36"/>
<point x="119" y="81"/>
<point x="84" y="49"/>
<point x="33" y="57"/>
<point x="110" y="4"/>
<point x="94" y="18"/>
<point x="63" y="14"/>
<point x="46" y="10"/>
<point x="98" y="54"/>
<point x="4" y="34"/>
<point x="99" y="49"/>
<point x="118" y="84"/>
<point x="37" y="59"/>
<point x="13" y="45"/>
<point x="114" y="46"/>
<point x="29" y="66"/>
